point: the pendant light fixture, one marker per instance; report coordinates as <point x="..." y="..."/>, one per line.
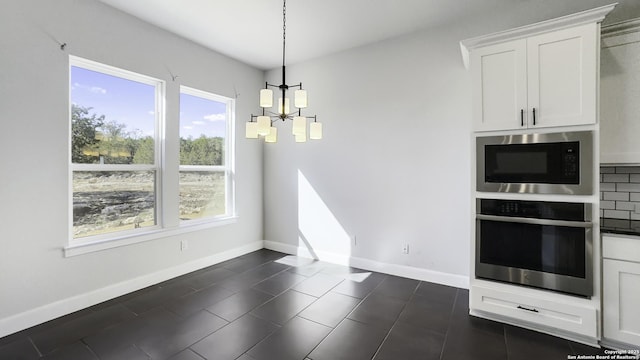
<point x="263" y="125"/>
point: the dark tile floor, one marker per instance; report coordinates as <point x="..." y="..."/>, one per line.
<point x="267" y="305"/>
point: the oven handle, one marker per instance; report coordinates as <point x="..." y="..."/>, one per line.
<point x="584" y="224"/>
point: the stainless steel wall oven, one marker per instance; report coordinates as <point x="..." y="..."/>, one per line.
<point x="555" y="163"/>
<point x="542" y="244"/>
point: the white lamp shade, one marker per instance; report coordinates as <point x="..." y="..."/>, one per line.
<point x="272" y="136"/>
<point x="315" y="131"/>
<point x="300" y="99"/>
<point x="251" y="130"/>
<point x="299" y="125"/>
<point x="300" y="138"/>
<point x="266" y="98"/>
<point x="264" y="124"/>
<point x="286" y="106"/>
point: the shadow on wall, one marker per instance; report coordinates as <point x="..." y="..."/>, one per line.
<point x="318" y="229"/>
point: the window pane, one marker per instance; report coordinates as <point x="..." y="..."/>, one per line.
<point x="202" y="194"/>
<point x="108" y="201"/>
<point x="112" y="119"/>
<point x="203" y="127"/>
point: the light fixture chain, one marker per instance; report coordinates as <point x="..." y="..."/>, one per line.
<point x="284" y="28"/>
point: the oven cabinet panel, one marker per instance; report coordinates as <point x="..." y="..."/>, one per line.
<point x="545" y="80"/>
<point x="547" y="313"/>
<point x="621" y="289"/>
<point x="500" y="86"/>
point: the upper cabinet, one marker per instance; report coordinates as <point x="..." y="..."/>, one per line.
<point x="619" y="93"/>
<point x="500" y="86"/>
<point x="541" y="75"/>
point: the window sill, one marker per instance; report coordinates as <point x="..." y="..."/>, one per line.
<point x="85" y="248"/>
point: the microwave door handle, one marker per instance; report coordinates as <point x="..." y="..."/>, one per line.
<point x="522" y="220"/>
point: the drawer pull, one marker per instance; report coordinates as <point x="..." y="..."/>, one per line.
<point x="524" y="308"/>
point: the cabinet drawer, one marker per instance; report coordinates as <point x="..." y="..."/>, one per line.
<point x="545" y="312"/>
<point x="621" y="247"/>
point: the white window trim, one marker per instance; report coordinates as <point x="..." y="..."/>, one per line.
<point x="229" y="158"/>
<point x="130" y="239"/>
<point x="159" y="125"/>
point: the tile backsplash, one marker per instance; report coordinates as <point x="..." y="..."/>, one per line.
<point x="620" y="192"/>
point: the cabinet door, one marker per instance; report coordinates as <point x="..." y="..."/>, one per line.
<point x="499" y="86"/>
<point x="619" y="94"/>
<point x="562" y="77"/>
<point x="621" y="296"/>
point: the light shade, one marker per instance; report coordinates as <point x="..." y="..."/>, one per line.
<point x="286" y="106"/>
<point x="266" y="98"/>
<point x="264" y="123"/>
<point x="300" y="99"/>
<point x="299" y="125"/>
<point x="251" y="130"/>
<point x="272" y="136"/>
<point x="300" y="138"/>
<point x="315" y="131"/>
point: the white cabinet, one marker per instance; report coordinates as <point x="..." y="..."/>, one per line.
<point x="621" y="289"/>
<point x="545" y="311"/>
<point x="544" y="80"/>
<point x="619" y="94"/>
<point x="500" y="86"/>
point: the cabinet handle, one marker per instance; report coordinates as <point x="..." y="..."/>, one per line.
<point x="534" y="116"/>
<point x="521" y="117"/>
<point x="524" y="308"/>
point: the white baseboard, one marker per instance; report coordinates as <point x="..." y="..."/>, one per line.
<point x="54" y="310"/>
<point x="411" y="272"/>
<point x="29" y="318"/>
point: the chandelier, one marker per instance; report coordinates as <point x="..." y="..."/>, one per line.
<point x="262" y="125"/>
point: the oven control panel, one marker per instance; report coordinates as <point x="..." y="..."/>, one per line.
<point x="533" y="209"/>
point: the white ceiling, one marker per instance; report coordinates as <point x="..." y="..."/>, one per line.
<point x="251" y="30"/>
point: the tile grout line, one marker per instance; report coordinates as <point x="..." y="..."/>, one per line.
<point x="506" y="345"/>
<point x="40" y="354"/>
<point x="296" y="315"/>
<point x="346" y="317"/>
<point x="395" y="322"/>
<point x="446" y="334"/>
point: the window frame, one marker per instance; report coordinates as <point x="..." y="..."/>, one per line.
<point x="158" y="147"/>
<point x="166" y="170"/>
<point x="229" y="158"/>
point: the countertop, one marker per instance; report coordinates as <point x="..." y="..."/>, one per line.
<point x="618" y="226"/>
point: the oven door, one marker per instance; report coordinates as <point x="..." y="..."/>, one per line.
<point x="550" y="254"/>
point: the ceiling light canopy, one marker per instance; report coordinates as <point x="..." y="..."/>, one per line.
<point x="263" y="125"/>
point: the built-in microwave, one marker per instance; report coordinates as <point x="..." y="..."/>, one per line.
<point x="552" y="163"/>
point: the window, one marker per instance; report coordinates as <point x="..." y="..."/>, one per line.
<point x="205" y="155"/>
<point x="119" y="173"/>
<point x="115" y="117"/>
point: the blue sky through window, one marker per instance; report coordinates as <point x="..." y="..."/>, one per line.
<point x="124" y="101"/>
<point x="133" y="103"/>
<point x="199" y="116"/>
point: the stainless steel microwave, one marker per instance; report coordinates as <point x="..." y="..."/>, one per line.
<point x="554" y="163"/>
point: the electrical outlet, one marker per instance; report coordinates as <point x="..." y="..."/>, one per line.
<point x="354" y="242"/>
<point x="184" y="245"/>
<point x="405" y="249"/>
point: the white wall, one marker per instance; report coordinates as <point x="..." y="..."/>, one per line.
<point x="394" y="166"/>
<point x="34" y="138"/>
